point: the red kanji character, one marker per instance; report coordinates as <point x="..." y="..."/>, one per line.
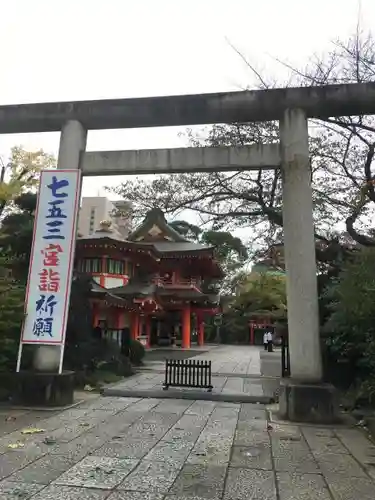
<point x="51" y="255"/>
<point x="49" y="281"/>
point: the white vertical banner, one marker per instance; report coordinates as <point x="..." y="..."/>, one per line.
<point x="52" y="258"/>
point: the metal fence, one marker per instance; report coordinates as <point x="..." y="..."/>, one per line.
<point x="188" y="373"/>
<point x="285" y="358"/>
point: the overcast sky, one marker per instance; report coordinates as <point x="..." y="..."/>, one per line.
<point x="62" y="50"/>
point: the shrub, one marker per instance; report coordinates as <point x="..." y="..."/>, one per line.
<point x="349" y="332"/>
<point x="119" y="366"/>
<point x="137" y="352"/>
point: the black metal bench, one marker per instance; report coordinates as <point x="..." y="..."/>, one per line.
<point x="188" y="373"/>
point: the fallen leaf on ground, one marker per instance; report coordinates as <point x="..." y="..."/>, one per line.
<point x="32" y="430"/>
<point x="15" y="446"/>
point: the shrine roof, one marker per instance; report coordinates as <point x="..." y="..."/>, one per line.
<point x="157" y="247"/>
<point x="154" y="235"/>
<point x="96" y="288"/>
<point x="107" y="294"/>
<point x="140" y="288"/>
<point x="102" y="236"/>
<point x="188" y="294"/>
<point x="137" y="289"/>
<point x="156" y="227"/>
<point x="172" y="246"/>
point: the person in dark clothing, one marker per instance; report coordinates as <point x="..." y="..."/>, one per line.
<point x="125" y="342"/>
<point x="270" y="341"/>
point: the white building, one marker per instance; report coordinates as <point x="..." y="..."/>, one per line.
<point x="96" y="209"/>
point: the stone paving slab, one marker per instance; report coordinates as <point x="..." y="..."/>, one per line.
<point x="199" y="481"/>
<point x="175" y="449"/>
<point x="43" y="471"/>
<point x="192" y="395"/>
<point x="151" y="476"/>
<point x="70" y="493"/>
<point x="98" y="472"/>
<point x="243" y="484"/>
<point x="135" y="495"/>
<point x="302" y="487"/>
<point x="153" y="449"/>
<point x="12" y="491"/>
<point x="236" y="378"/>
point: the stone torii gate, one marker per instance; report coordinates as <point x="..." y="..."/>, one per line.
<point x="303" y="397"/>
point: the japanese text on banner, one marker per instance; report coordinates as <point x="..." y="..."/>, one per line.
<point x="50" y="275"/>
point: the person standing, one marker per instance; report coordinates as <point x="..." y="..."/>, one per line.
<point x="265" y="340"/>
<point x="269" y="341"/>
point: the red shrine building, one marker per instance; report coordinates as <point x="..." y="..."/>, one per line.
<point x="155" y="282"/>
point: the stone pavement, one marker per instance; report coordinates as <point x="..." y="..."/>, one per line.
<point x="235" y="369"/>
<point x="147" y="449"/>
<point x="226" y="359"/>
<point x="172" y="449"/>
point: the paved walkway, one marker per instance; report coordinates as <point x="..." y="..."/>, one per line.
<point x="236" y="370"/>
<point x="234" y="360"/>
<point x="126" y="449"/>
<point x="169" y="449"/>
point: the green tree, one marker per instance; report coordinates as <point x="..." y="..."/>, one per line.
<point x="262" y="294"/>
<point x="349" y="332"/>
<point x="256" y="295"/>
<point x="342" y="156"/>
<point x="16" y="234"/>
<point x="12" y="298"/>
<point x="21" y="173"/>
<point x="80" y="348"/>
<point x="230" y="251"/>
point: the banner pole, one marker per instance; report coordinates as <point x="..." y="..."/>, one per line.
<point x="19" y="357"/>
<point x="61" y="358"/>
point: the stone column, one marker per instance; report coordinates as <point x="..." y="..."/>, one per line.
<point x="72" y="145"/>
<point x="186" y="327"/>
<point x="303" y="397"/>
<point x="299" y="248"/>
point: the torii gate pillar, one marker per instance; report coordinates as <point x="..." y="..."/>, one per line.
<point x="72" y="146"/>
<point x="303" y="397"/>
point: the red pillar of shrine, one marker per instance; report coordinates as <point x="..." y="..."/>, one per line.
<point x="95" y="315"/>
<point x="135" y="326"/>
<point x="251" y="333"/>
<point x="200" y="327"/>
<point x="148" y="330"/>
<point x="186" y="327"/>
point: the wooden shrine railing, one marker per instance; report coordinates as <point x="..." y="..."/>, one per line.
<point x="167" y="282"/>
<point x="188" y="373"/>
